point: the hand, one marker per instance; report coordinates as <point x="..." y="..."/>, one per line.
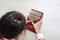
<point x="37" y="26"/>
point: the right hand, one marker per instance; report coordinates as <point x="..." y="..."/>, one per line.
<point x="37" y="26"/>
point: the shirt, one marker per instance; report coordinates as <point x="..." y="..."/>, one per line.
<point x="40" y="36"/>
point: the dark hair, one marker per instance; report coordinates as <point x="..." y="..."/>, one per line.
<point x="12" y="23"/>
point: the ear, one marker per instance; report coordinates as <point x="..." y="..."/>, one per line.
<point x="22" y="33"/>
<point x="16" y="38"/>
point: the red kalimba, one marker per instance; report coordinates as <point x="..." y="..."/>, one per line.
<point x="35" y="16"/>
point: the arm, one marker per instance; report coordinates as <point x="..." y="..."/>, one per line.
<point x="37" y="27"/>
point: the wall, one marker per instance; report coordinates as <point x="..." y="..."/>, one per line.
<point x="50" y="8"/>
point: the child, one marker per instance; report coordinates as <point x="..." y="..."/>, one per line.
<point x="13" y="24"/>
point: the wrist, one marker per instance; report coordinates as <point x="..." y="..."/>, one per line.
<point x="38" y="31"/>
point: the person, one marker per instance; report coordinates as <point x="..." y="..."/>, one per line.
<point x="13" y="24"/>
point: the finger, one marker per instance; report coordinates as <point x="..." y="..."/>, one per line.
<point x="27" y="20"/>
<point x="32" y="22"/>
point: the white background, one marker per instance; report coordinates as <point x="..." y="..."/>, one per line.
<point x="50" y="8"/>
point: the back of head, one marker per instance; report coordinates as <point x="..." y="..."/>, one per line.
<point x="11" y="24"/>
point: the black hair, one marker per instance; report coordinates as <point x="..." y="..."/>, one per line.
<point x="11" y="24"/>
